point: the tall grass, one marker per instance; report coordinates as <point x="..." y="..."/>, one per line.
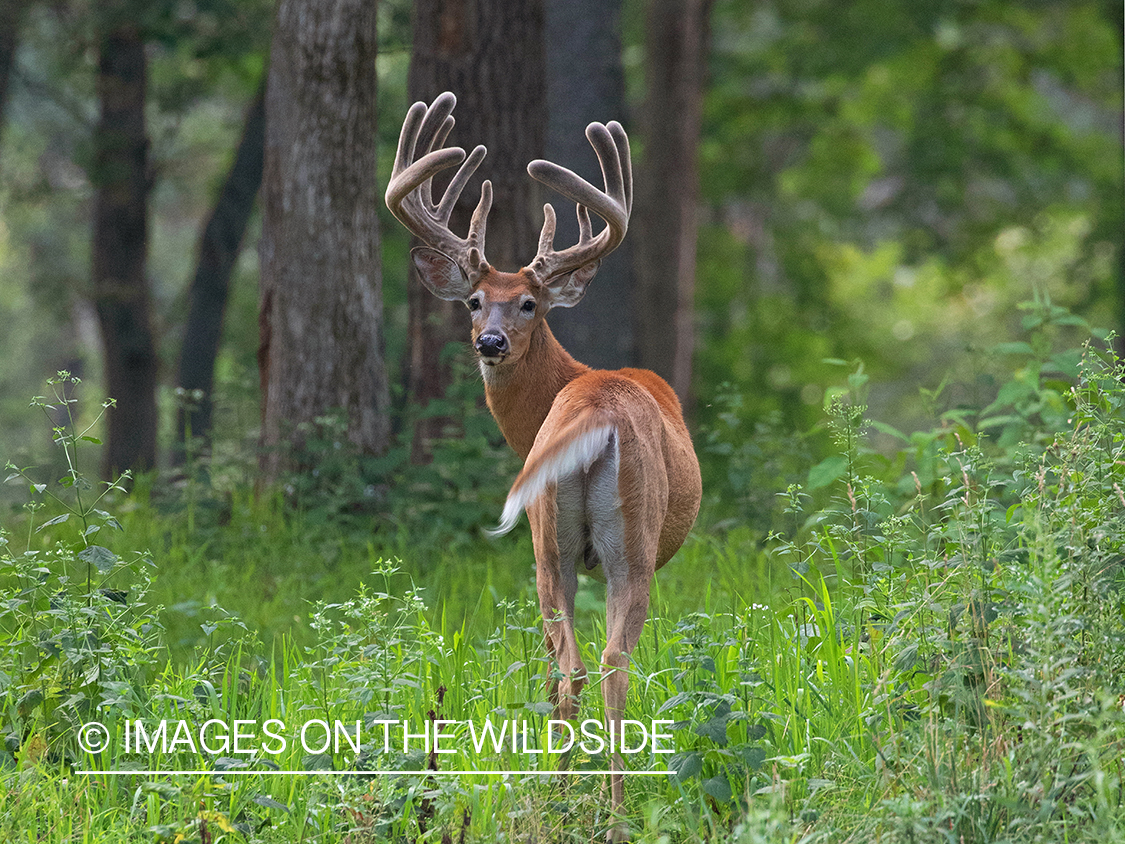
<point x="928" y="647"/>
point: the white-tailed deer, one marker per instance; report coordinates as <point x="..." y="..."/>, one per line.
<point x="610" y="481"/>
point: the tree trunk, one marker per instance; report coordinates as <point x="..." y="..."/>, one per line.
<point x="321" y="317"/>
<point x="11" y="16"/>
<point x="676" y="40"/>
<point x="219" y="247"/>
<point x="490" y="54"/>
<point x="121" y="292"/>
<point x="586" y="82"/>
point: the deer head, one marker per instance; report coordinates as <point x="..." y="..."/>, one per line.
<point x="506" y="307"/>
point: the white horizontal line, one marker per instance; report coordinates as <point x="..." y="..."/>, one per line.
<point x="375" y="773"/>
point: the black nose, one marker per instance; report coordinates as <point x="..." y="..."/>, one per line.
<point x="492" y="345"/>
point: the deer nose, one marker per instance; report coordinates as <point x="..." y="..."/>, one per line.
<point x="492" y="345"/>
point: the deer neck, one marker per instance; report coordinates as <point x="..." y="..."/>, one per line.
<point x="521" y="394"/>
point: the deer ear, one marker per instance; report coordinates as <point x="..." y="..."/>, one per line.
<point x="566" y="291"/>
<point x="440" y="274"/>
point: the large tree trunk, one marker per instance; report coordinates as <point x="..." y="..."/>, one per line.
<point x="586" y="82"/>
<point x="219" y="246"/>
<point x="321" y="318"/>
<point x="676" y="40"/>
<point x="121" y="292"/>
<point x="490" y="54"/>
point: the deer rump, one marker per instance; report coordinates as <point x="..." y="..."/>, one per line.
<point x="602" y="442"/>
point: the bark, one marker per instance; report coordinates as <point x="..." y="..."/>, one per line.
<point x="120" y="241"/>
<point x="219" y="247"/>
<point x="490" y="54"/>
<point x="586" y="82"/>
<point x="321" y="316"/>
<point x="667" y="190"/>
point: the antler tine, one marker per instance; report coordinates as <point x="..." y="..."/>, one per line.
<point x="435" y="143"/>
<point x="547" y="235"/>
<point x="409" y="193"/>
<point x="613" y="204"/>
<point x="457" y="184"/>
<point x="621" y="141"/>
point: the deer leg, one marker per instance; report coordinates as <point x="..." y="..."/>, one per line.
<point x="556" y="581"/>
<point x="626" y="611"/>
<point x="628" y="568"/>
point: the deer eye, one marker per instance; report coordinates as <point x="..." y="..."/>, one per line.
<point x="474" y="304"/>
<point x="528" y="307"/>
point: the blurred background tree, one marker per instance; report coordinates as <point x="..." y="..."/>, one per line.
<point x="586" y="82"/>
<point x="217" y="256"/>
<point x="676" y="45"/>
<point x="883" y="182"/>
<point x="490" y="53"/>
<point x="120" y="177"/>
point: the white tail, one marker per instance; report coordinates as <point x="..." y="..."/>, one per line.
<point x="623" y="517"/>
<point x="562" y="457"/>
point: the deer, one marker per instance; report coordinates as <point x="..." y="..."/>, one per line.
<point x="610" y="482"/>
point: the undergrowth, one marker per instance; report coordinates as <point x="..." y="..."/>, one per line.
<point x="928" y="645"/>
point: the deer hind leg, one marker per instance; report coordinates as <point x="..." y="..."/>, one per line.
<point x="626" y="611"/>
<point x="557" y="534"/>
<point x="628" y="573"/>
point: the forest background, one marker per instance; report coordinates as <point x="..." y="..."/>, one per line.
<point x="884" y="184"/>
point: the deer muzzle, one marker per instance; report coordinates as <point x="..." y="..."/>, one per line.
<point x="491" y="346"/>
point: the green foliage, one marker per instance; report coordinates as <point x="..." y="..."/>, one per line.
<point x="937" y="655"/>
<point x="445" y="498"/>
<point x="889" y="181"/>
<point x="77" y="630"/>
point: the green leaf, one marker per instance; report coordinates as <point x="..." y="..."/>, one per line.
<point x="28" y="702"/>
<point x="687" y="764"/>
<point x="753" y="757"/>
<point x="682" y="697"/>
<point x="907" y="658"/>
<point x="890" y="430"/>
<point x="93" y="440"/>
<point x="716" y="728"/>
<point x="102" y="558"/>
<point x="827" y="471"/>
<point x="316" y="762"/>
<point x="107" y="519"/>
<point x="57" y="520"/>
<point x="166" y="790"/>
<point x="719" y="788"/>
<point x="269" y="803"/>
<point x="1067" y="362"/>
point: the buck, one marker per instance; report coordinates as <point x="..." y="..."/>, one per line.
<point x="610" y="481"/>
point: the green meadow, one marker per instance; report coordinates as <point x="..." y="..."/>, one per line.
<point x="916" y="643"/>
